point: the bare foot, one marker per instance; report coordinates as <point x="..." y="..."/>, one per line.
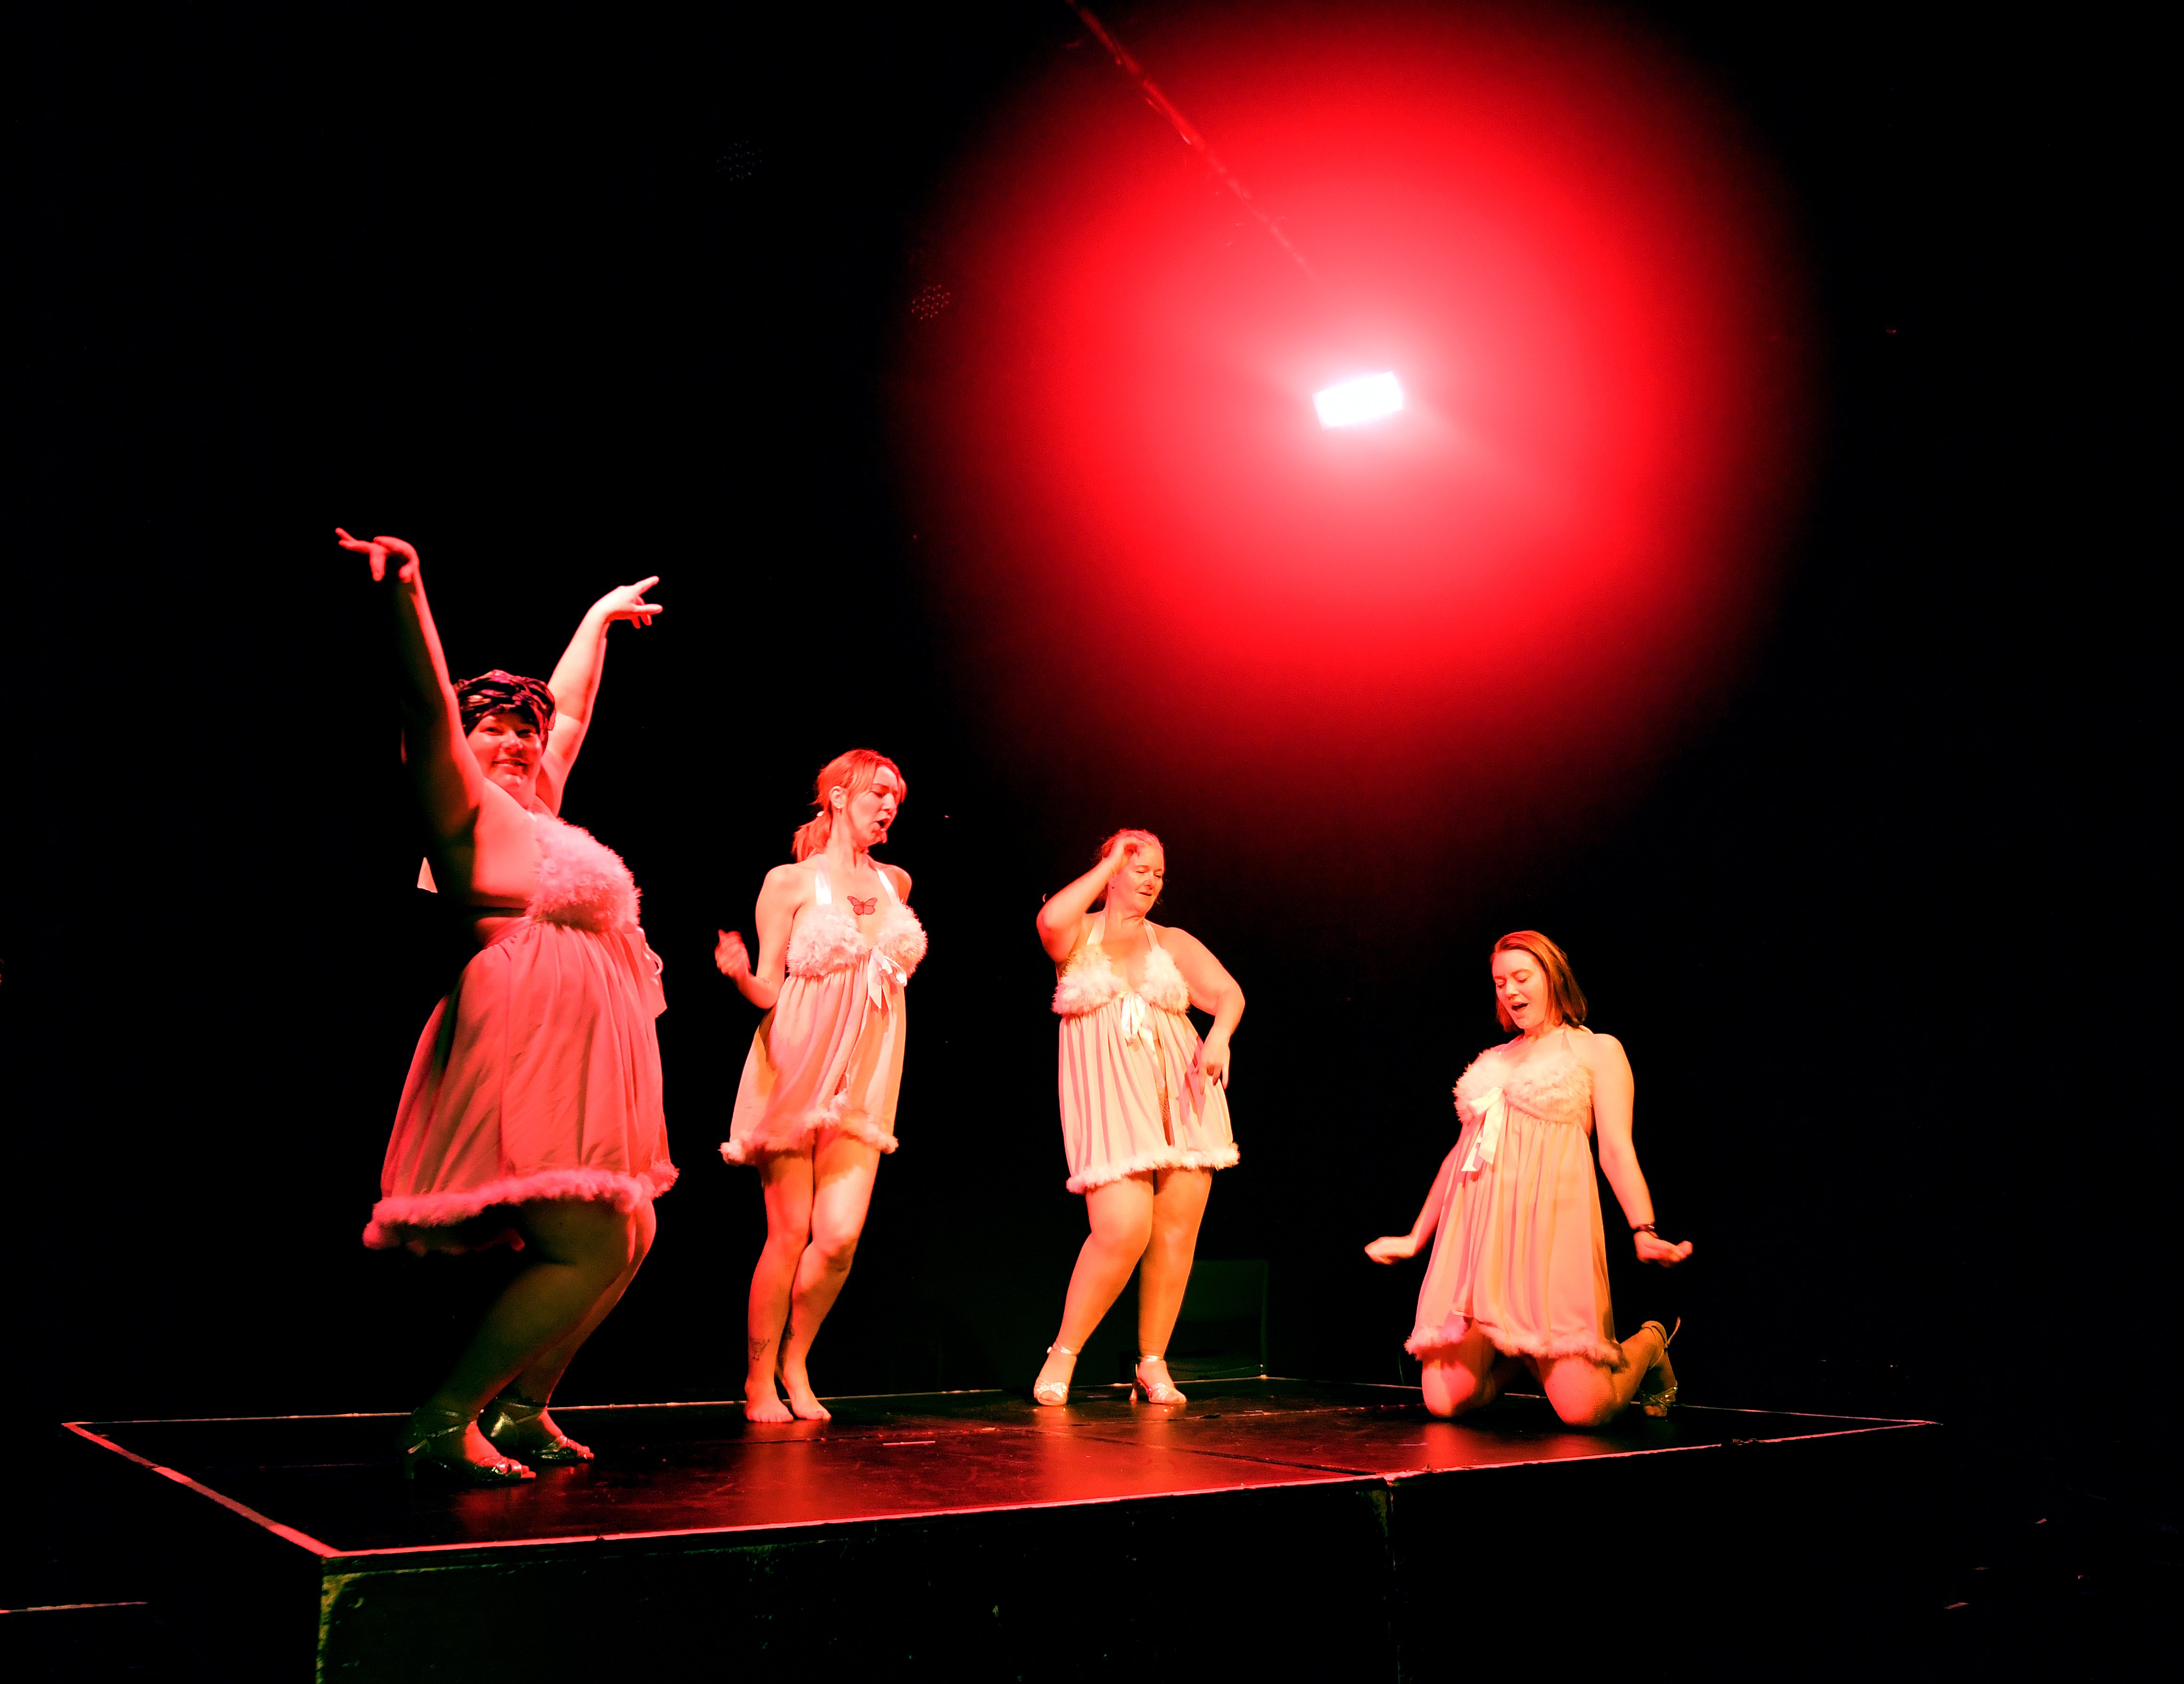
<point x="761" y="1403"/>
<point x="801" y="1399"/>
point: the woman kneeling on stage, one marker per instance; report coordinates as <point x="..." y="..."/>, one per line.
<point x="837" y="943"/>
<point x="1519" y="1276"/>
<point x="1144" y="1106"/>
<point x="532" y="1108"/>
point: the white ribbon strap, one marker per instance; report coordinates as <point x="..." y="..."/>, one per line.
<point x="1493" y="1111"/>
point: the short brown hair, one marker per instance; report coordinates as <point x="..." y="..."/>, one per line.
<point x="1567" y="998"/>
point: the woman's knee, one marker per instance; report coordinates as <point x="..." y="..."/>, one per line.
<point x="836" y="1248"/>
<point x="1585" y="1406"/>
<point x="1450" y="1388"/>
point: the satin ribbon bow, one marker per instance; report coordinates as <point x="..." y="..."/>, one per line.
<point x="880" y="970"/>
<point x="1493" y="1111"/>
<point x="1134" y="1025"/>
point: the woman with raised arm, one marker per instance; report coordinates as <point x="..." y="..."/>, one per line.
<point x="532" y="1108"/>
<point x="837" y="943"/>
<point x="1144" y="1104"/>
<point x="1519" y="1270"/>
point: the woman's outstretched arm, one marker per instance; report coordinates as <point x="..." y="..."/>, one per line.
<point x="575" y="682"/>
<point x="1063" y="913"/>
<point x="449" y="786"/>
<point x="1614" y="1091"/>
<point x="1389" y="1247"/>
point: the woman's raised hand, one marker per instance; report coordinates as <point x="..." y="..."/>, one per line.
<point x="378" y="549"/>
<point x="626" y="602"/>
<point x="1653" y="1249"/>
<point x="1392" y="1248"/>
<point x="730" y="954"/>
<point x="1124" y="847"/>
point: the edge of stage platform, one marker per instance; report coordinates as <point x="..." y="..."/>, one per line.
<point x="1269" y="1520"/>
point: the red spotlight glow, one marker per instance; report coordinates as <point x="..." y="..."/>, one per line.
<point x="1570" y="251"/>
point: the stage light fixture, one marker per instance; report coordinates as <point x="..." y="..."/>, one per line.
<point x="1366" y="399"/>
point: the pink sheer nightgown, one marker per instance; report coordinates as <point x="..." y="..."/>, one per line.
<point x="827" y="1059"/>
<point x="1133" y="1096"/>
<point x="1519" y="1251"/>
<point x="538" y="1076"/>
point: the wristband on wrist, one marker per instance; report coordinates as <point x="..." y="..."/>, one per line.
<point x="1637" y="1228"/>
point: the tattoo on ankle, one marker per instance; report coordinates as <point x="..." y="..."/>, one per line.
<point x="759" y="1347"/>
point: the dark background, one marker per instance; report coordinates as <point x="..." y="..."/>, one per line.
<point x="598" y="296"/>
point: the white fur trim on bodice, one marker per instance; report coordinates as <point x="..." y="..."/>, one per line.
<point x="582" y="881"/>
<point x="827" y="939"/>
<point x="1554" y="1083"/>
<point x="1089" y="982"/>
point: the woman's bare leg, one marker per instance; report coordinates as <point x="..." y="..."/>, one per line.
<point x="536" y="1384"/>
<point x="1586" y="1395"/>
<point x="578" y="1249"/>
<point x="842" y="1175"/>
<point x="786" y="1181"/>
<point x="1178" y="1206"/>
<point x="1121" y="1215"/>
<point x="1465" y="1377"/>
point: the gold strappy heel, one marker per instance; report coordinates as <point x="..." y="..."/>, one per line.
<point x="1053" y="1393"/>
<point x="1656" y="1392"/>
<point x="1160" y="1391"/>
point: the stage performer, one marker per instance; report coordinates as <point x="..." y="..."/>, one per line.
<point x="532" y="1108"/>
<point x="1519" y="1276"/>
<point x="1144" y="1104"/>
<point x="837" y="943"/>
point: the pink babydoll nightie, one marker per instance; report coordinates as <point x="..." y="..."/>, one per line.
<point x="827" y="1059"/>
<point x="538" y="1076"/>
<point x="1134" y="1098"/>
<point x="1519" y="1252"/>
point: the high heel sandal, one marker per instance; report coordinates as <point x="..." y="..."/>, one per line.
<point x="1655" y="1399"/>
<point x="1051" y="1392"/>
<point x="1162" y="1391"/>
<point x="520" y="1427"/>
<point x="433" y="1443"/>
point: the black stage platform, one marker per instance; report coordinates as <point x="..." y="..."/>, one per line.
<point x="1268" y="1522"/>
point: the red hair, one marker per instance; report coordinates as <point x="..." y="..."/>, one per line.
<point x="852" y="773"/>
<point x="1563" y="994"/>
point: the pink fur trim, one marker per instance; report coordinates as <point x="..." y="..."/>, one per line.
<point x="582" y="881"/>
<point x="1092" y="982"/>
<point x="756" y="1151"/>
<point x="827" y="939"/>
<point x="625" y="1192"/>
<point x="1555" y="1085"/>
<point x="1167" y="1158"/>
<point x="1426" y="1343"/>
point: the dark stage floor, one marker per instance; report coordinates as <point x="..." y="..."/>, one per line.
<point x="1265" y="1520"/>
<point x="328" y="1482"/>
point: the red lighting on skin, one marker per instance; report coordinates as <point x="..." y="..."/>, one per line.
<point x="1563" y="242"/>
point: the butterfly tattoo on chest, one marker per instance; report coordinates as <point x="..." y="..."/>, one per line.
<point x="862" y="907"/>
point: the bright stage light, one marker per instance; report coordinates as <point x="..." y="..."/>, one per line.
<point x="1365" y="399"/>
